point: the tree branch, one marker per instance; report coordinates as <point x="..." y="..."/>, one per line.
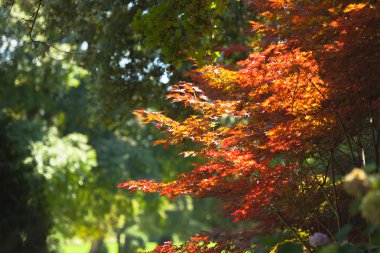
<point x="33" y="20"/>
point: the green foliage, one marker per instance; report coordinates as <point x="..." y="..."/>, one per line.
<point x="289" y="247"/>
<point x="127" y="46"/>
<point x="182" y="29"/>
<point x="25" y="219"/>
<point x="334" y="248"/>
<point x="66" y="164"/>
<point x="342" y="234"/>
<point x="53" y="100"/>
<point x="100" y="36"/>
<point x="269" y="243"/>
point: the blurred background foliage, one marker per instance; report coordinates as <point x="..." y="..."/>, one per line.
<point x="70" y="73"/>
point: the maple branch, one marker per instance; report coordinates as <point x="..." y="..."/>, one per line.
<point x="338" y="116"/>
<point x="316" y="215"/>
<point x="295" y="91"/>
<point x="327" y="165"/>
<point x="304" y="207"/>
<point x="377" y="152"/>
<point x="343" y="153"/>
<point x="273" y="208"/>
<point x="374" y="139"/>
<point x="321" y="186"/>
<point x="334" y="188"/>
<point x="304" y="190"/>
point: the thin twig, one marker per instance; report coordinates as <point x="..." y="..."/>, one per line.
<point x="34" y="19"/>
<point x="334" y="188"/>
<point x="375" y="142"/>
<point x="324" y="192"/>
<point x="278" y="214"/>
<point x="315" y="210"/>
<point x="338" y="116"/>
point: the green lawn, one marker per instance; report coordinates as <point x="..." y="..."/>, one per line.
<point x="85" y="247"/>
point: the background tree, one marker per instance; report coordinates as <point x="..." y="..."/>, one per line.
<point x="26" y="222"/>
<point x="59" y="59"/>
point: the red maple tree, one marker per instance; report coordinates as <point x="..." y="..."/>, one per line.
<point x="278" y="133"/>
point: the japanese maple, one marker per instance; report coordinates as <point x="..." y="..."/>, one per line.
<point x="278" y="133"/>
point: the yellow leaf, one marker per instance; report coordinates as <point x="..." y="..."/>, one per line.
<point x="354" y="7"/>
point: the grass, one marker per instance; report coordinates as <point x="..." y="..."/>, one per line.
<point x="85" y="247"/>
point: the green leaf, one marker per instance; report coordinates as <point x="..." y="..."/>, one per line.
<point x="332" y="248"/>
<point x="355" y="207"/>
<point x="342" y="235"/>
<point x="348" y="248"/>
<point x="290" y="247"/>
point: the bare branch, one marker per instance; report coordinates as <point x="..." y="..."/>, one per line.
<point x="33" y="20"/>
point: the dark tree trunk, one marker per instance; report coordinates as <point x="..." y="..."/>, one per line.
<point x="119" y="246"/>
<point x="98" y="246"/>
